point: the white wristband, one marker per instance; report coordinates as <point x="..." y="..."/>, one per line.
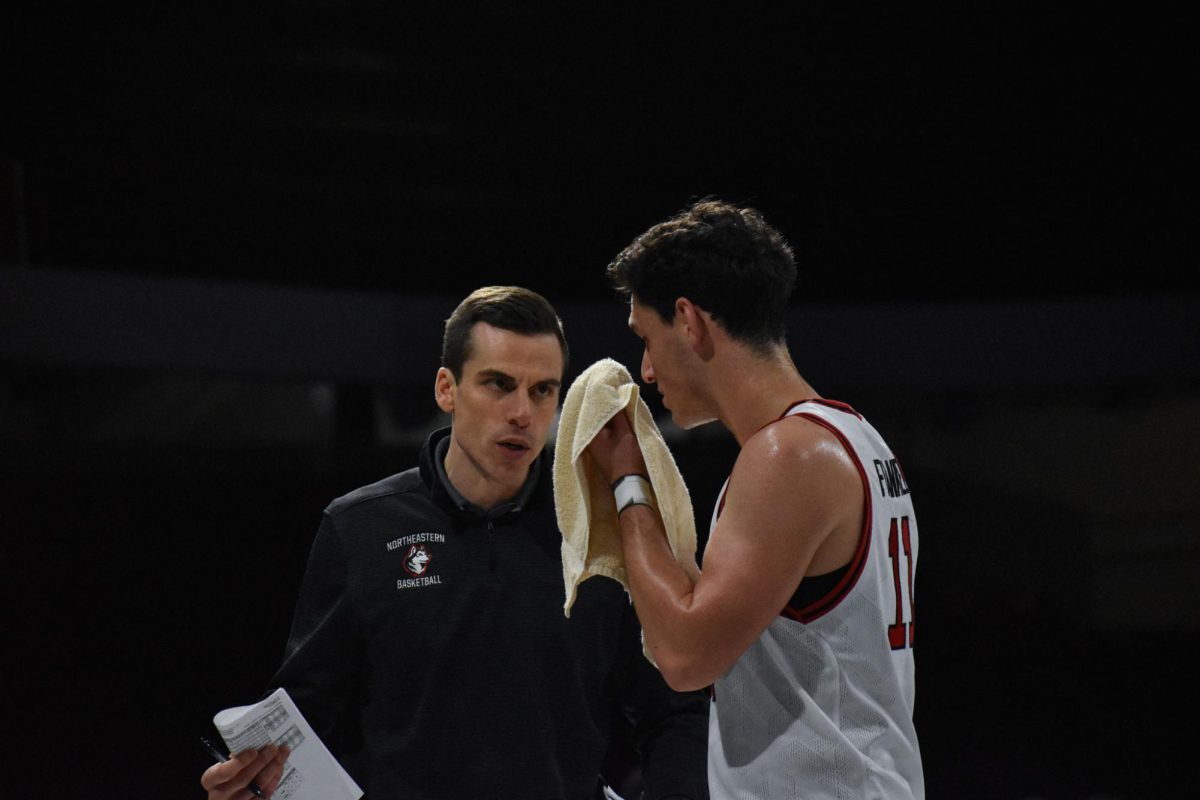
<point x="633" y="489"/>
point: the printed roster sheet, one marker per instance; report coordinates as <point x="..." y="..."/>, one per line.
<point x="311" y="772"/>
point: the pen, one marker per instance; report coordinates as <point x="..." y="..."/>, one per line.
<point x="217" y="754"/>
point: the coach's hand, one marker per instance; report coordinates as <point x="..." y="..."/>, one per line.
<point x="230" y="780"/>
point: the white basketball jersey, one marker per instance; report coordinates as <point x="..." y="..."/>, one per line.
<point x="821" y="705"/>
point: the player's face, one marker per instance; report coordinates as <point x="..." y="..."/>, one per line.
<point x="503" y="406"/>
<point x="667" y="362"/>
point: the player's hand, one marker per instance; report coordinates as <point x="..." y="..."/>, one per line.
<point x="615" y="450"/>
<point x="230" y="779"/>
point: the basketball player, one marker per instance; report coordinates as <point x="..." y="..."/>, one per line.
<point x="801" y="617"/>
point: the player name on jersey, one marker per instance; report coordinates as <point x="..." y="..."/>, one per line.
<point x="891" y="478"/>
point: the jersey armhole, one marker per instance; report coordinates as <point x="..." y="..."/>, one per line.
<point x="830" y="599"/>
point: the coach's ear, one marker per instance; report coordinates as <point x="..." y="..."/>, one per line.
<point x="444" y="387"/>
<point x="697" y="327"/>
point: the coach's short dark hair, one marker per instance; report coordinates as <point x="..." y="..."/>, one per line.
<point x="511" y="308"/>
<point x="724" y="258"/>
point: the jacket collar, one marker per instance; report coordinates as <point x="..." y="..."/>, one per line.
<point x="433" y="474"/>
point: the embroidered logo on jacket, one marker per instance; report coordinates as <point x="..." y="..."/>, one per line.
<point x="418" y="556"/>
<point x="416" y="560"/>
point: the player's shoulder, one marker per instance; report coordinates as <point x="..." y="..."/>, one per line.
<point x="790" y="448"/>
<point x="787" y="439"/>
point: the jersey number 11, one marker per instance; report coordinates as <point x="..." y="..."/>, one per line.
<point x="901" y="635"/>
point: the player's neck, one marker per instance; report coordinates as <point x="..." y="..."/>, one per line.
<point x="753" y="390"/>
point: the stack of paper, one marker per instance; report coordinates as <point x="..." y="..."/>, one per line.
<point x="311" y="772"/>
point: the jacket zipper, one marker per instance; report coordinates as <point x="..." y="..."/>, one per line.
<point x="491" y="547"/>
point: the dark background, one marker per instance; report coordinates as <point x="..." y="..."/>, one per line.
<point x="229" y="235"/>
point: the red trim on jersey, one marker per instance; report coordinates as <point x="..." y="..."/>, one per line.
<point x="835" y="596"/>
<point x="787" y="411"/>
<point x="724" y="494"/>
<point x="836" y="405"/>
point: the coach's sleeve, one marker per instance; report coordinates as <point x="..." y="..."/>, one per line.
<point x="323" y="662"/>
<point x="670" y="729"/>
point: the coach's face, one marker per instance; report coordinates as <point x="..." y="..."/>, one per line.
<point x="502" y="409"/>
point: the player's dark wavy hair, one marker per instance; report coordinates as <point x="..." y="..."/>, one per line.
<point x="511" y="308"/>
<point x="724" y="258"/>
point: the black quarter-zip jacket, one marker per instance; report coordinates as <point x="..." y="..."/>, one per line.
<point x="430" y="651"/>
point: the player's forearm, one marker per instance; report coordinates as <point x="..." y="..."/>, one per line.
<point x="663" y="596"/>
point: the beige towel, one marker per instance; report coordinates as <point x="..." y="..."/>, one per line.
<point x="587" y="513"/>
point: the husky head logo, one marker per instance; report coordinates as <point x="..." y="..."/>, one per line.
<point x="416" y="560"/>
